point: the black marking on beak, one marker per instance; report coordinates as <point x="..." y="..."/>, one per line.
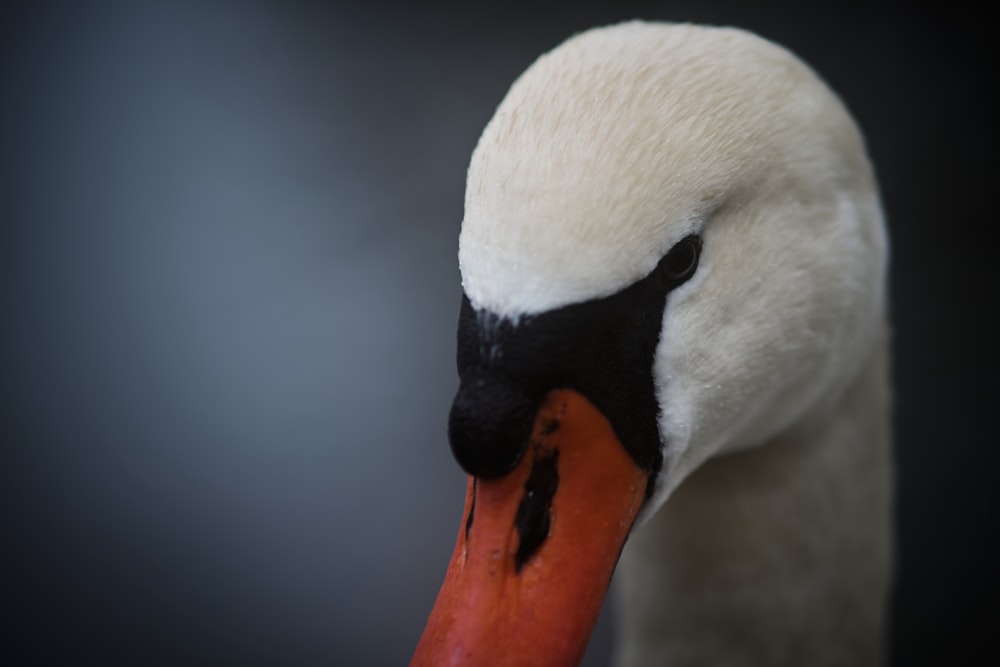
<point x="603" y="348"/>
<point x="551" y="426"/>
<point x="534" y="514"/>
<point x="490" y="423"/>
<point x="472" y="509"/>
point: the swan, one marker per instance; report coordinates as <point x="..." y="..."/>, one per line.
<point x="673" y="333"/>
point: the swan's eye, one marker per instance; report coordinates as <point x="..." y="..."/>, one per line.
<point x="680" y="263"/>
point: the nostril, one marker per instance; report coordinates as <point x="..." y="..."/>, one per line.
<point x="490" y="424"/>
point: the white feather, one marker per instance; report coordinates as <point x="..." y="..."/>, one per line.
<point x="605" y="153"/>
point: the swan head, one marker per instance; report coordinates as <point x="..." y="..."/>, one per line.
<point x="672" y="243"/>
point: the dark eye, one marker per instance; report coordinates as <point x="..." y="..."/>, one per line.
<point x="679" y="264"/>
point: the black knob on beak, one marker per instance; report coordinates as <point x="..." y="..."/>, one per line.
<point x="490" y="423"/>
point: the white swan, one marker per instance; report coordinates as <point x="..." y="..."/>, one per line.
<point x="674" y="263"/>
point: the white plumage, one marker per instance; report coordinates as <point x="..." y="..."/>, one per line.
<point x="767" y="539"/>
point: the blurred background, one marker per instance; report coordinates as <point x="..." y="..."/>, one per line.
<point x="229" y="292"/>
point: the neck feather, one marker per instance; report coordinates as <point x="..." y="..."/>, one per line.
<point x="779" y="555"/>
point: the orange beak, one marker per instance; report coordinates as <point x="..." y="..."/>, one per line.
<point x="537" y="547"/>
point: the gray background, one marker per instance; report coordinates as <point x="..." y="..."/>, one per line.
<point x="229" y="290"/>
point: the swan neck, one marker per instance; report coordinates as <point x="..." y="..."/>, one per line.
<point x="775" y="555"/>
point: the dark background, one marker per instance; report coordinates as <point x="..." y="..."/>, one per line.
<point x="229" y="289"/>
